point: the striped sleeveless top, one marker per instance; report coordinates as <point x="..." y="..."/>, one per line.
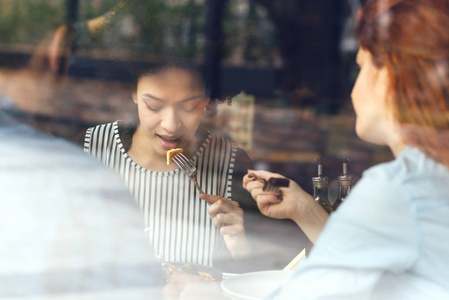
<point x="177" y="221"/>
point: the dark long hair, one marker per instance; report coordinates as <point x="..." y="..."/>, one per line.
<point x="411" y="39"/>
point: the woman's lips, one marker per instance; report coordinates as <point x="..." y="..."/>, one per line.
<point x="169" y="143"/>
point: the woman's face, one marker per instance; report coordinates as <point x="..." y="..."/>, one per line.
<point x="369" y="98"/>
<point x="170" y="105"/>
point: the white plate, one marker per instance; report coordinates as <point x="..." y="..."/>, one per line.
<point x="255" y="285"/>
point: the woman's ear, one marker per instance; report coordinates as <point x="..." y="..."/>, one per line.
<point x="207" y="101"/>
<point x="134" y="97"/>
<point x="211" y="109"/>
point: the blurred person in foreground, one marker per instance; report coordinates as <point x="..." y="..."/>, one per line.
<point x="69" y="228"/>
<point x="388" y="239"/>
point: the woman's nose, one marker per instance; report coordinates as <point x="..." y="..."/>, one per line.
<point x="170" y="121"/>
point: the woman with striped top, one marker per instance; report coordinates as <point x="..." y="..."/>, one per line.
<point x="182" y="225"/>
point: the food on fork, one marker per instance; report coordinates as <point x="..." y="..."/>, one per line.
<point x="171" y="153"/>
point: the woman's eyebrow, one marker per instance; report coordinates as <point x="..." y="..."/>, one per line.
<point x="193" y="98"/>
<point x="147" y="95"/>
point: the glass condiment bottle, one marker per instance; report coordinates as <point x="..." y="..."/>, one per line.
<point x="320" y="188"/>
<point x="345" y="184"/>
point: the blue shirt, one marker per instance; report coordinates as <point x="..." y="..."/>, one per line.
<point x="68" y="227"/>
<point x="388" y="240"/>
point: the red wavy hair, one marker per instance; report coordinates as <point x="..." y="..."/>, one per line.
<point x="411" y="39"/>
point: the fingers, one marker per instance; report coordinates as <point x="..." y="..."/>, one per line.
<point x="257" y="189"/>
<point x="264" y="200"/>
<point x="229" y="224"/>
<point x="250" y="177"/>
<point x="264" y="174"/>
<point x="232" y="230"/>
<point x="226" y="214"/>
<point x="254" y="183"/>
<point x="253" y="186"/>
<point x="224" y="206"/>
<point x="212" y="198"/>
<point x="227" y="220"/>
<point x="221" y="205"/>
<point x="261" y="174"/>
<point x="258" y="176"/>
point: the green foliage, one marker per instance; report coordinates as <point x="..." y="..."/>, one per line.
<point x="153" y="27"/>
<point x="147" y="27"/>
<point x="249" y="29"/>
<point x="89" y="11"/>
<point x="27" y="21"/>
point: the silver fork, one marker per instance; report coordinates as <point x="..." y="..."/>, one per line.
<point x="188" y="168"/>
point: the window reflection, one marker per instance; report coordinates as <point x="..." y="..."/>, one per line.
<point x="281" y="71"/>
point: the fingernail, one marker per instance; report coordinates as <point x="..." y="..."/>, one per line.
<point x="279" y="198"/>
<point x="251" y="175"/>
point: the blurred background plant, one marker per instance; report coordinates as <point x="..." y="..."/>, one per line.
<point x="162" y="27"/>
<point x="27" y="21"/>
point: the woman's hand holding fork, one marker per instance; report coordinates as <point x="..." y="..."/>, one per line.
<point x="228" y="216"/>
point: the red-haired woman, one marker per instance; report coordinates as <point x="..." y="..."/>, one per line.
<point x="389" y="239"/>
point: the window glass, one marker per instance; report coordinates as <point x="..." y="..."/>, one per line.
<point x="281" y="71"/>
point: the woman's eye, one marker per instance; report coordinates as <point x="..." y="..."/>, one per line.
<point x="189" y="108"/>
<point x="154" y="108"/>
